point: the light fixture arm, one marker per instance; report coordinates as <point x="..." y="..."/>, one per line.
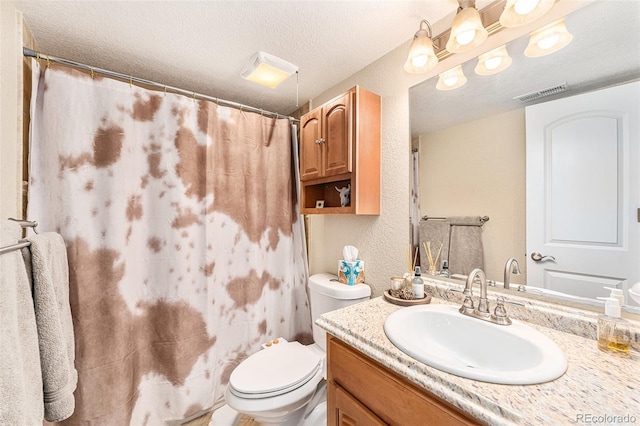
<point x="463" y="4"/>
<point x="424" y="21"/>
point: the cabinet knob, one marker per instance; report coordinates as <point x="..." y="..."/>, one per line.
<point x="319" y="141"/>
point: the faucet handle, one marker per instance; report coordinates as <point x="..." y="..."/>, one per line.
<point x="467" y="305"/>
<point x="500" y="312"/>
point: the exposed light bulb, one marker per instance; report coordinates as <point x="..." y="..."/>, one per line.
<point x="466" y="37"/>
<point x="450" y="81"/>
<point x="548" y="42"/>
<point x="524" y="7"/>
<point x="521" y="12"/>
<point x="548" y="39"/>
<point x="420" y="61"/>
<point x="493" y="63"/>
<point x="421" y="56"/>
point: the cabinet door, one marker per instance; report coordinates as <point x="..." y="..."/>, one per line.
<point x="310" y="146"/>
<point x="350" y="412"/>
<point x="337" y="136"/>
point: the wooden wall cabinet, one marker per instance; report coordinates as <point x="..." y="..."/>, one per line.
<point x="360" y="391"/>
<point x="340" y="146"/>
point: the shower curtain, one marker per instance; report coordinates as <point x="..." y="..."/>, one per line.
<point x="185" y="244"/>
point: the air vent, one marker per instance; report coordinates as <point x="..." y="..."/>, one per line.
<point x="553" y="90"/>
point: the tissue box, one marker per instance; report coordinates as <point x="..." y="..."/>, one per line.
<point x="351" y="273"/>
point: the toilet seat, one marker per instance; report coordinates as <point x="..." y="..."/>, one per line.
<point x="274" y="371"/>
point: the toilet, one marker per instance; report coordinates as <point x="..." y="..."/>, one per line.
<point x="284" y="383"/>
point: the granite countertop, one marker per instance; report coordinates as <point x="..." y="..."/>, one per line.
<point x="598" y="388"/>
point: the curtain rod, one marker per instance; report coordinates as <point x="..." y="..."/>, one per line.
<point x="49" y="58"/>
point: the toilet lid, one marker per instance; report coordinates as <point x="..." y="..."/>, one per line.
<point x="274" y="371"/>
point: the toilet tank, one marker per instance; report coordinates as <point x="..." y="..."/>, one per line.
<point x="327" y="294"/>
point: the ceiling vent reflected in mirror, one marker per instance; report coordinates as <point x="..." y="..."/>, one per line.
<point x="532" y="96"/>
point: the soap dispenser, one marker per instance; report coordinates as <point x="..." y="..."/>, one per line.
<point x="613" y="332"/>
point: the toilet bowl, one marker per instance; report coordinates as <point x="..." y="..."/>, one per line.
<point x="275" y="382"/>
<point x="284" y="383"/>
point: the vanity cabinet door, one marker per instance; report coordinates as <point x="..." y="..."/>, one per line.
<point x="336" y="148"/>
<point x="350" y="412"/>
<point x="310" y="145"/>
<point x="372" y="389"/>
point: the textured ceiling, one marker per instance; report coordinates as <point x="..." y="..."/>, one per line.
<point x="202" y="46"/>
<point x="605" y="50"/>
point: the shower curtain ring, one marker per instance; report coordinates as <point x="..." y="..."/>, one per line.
<point x="165" y="90"/>
<point x="131" y="81"/>
<point x="48" y="61"/>
<point x="91" y="72"/>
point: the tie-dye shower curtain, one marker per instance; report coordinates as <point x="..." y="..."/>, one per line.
<point x="183" y="235"/>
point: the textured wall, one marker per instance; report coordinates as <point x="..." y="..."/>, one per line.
<point x="380" y="239"/>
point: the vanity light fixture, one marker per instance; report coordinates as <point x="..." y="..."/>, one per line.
<point x="493" y="61"/>
<point x="548" y="39"/>
<point x="520" y="12"/>
<point x="451" y="79"/>
<point x="268" y="70"/>
<point x="422" y="57"/>
<point x="467" y="31"/>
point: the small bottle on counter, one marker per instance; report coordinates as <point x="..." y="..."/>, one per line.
<point x="445" y="269"/>
<point x="417" y="284"/>
<point x="613" y="335"/>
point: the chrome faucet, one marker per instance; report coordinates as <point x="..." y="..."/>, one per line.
<point x="482" y="311"/>
<point x="510" y="267"/>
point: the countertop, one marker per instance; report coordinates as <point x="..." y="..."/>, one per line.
<point x="598" y="388"/>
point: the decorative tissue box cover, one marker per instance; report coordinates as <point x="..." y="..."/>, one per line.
<point x="351" y="273"/>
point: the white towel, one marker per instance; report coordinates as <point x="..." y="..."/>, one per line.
<point x="20" y="374"/>
<point x="53" y="319"/>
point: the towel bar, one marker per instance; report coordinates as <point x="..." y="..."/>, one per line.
<point x="21" y="243"/>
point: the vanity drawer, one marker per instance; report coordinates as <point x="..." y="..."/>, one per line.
<point x="392" y="398"/>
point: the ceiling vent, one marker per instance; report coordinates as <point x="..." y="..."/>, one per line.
<point x="553" y="90"/>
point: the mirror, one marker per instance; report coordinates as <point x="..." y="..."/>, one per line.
<point x="471" y="140"/>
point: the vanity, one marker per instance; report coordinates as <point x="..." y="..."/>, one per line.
<point x="371" y="382"/>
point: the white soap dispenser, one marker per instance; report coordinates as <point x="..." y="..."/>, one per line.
<point x="613" y="332"/>
<point x="616" y="293"/>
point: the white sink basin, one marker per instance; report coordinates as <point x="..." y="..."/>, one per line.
<point x="443" y="338"/>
